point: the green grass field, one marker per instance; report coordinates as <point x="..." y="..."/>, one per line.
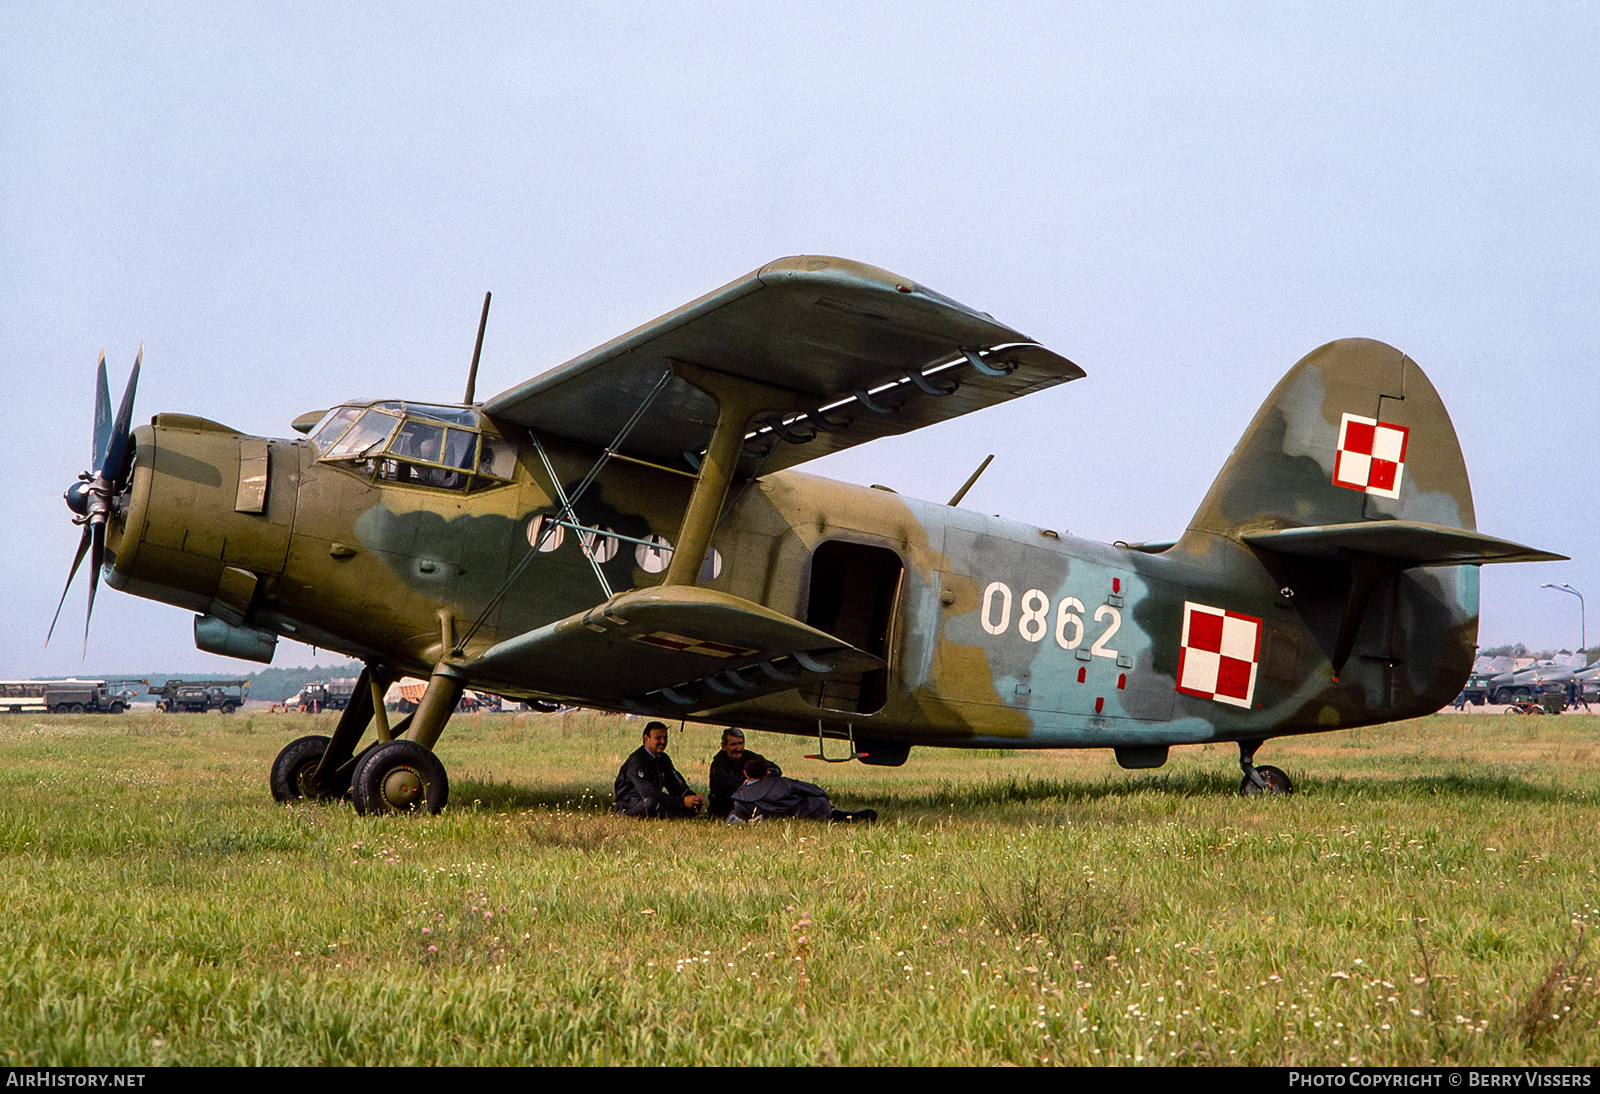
<point x="1426" y="897"/>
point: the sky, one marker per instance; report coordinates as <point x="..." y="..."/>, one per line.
<point x="293" y="205"/>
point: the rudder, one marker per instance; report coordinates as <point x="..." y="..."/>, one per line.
<point x="1355" y="434"/>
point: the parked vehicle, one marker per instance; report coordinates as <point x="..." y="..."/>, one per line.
<point x="404" y="696"/>
<point x="67" y="696"/>
<point x="1478" y="687"/>
<point x="324" y="695"/>
<point x="200" y="696"/>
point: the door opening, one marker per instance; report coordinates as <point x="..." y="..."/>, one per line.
<point x="855" y="589"/>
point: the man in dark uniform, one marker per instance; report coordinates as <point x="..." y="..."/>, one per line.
<point x="649" y="786"/>
<point x="727" y="771"/>
<point x="765" y="795"/>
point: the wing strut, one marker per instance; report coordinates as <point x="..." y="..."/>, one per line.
<point x="566" y="515"/>
<point x="738" y="401"/>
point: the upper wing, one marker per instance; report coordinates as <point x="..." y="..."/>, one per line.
<point x="863" y="347"/>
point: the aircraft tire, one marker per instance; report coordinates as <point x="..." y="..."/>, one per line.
<point x="1277" y="781"/>
<point x="291" y="772"/>
<point x="399" y="777"/>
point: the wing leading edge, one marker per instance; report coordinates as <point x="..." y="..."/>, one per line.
<point x="868" y="353"/>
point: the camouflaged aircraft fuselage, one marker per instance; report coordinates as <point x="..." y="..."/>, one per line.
<point x="994" y="632"/>
<point x="1329" y="579"/>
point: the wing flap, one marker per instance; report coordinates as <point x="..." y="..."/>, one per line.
<point x="824" y="329"/>
<point x="1410" y="542"/>
<point x="679" y="648"/>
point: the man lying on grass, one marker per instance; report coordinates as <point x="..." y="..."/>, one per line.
<point x="727" y="771"/>
<point x="765" y="795"/>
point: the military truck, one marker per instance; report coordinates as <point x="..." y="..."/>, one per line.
<point x="200" y="696"/>
<point x="1478" y="687"/>
<point x="67" y="696"/>
<point x="324" y="695"/>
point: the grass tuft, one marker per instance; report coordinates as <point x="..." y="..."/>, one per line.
<point x="1566" y="995"/>
<point x="1082" y="921"/>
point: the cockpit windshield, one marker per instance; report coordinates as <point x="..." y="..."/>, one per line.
<point x="419" y="444"/>
<point x="368" y="434"/>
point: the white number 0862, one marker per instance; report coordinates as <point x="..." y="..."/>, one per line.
<point x="1033" y="618"/>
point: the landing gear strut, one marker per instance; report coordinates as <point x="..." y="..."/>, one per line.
<point x="1265" y="779"/>
<point x="389" y="776"/>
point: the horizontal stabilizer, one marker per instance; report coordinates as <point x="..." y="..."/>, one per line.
<point x="1408" y="542"/>
<point x="675" y="649"/>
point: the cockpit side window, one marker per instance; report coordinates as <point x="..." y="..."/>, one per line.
<point x="419" y="441"/>
<point x="499" y="458"/>
<point x="460" y="449"/>
<point x="416" y="474"/>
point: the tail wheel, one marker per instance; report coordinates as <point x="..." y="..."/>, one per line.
<point x="1275" y="778"/>
<point x="399" y="777"/>
<point x="293" y="769"/>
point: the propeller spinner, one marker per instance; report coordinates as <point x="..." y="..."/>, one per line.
<point x="90" y="497"/>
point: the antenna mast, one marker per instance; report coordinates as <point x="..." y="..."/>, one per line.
<point x="477" y="351"/>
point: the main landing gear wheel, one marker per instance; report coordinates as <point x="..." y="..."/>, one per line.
<point x="293" y="769"/>
<point x="1277" y="782"/>
<point x="399" y="777"/>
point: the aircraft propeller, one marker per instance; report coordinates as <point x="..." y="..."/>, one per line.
<point x="90" y="497"/>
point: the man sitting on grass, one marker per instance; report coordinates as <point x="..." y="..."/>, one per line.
<point x="649" y="786"/>
<point x="765" y="795"/>
<point x="727" y="771"/>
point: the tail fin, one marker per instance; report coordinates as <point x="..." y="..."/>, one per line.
<point x="1348" y="481"/>
<point x="1354" y="432"/>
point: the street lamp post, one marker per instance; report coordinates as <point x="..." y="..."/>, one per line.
<point x="1583" y="630"/>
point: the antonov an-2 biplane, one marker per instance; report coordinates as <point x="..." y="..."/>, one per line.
<point x="627" y="532"/>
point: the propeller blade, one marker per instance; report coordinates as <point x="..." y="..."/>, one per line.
<point x="97" y="558"/>
<point x="102" y="415"/>
<point x="83" y="545"/>
<point x="118" y="452"/>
